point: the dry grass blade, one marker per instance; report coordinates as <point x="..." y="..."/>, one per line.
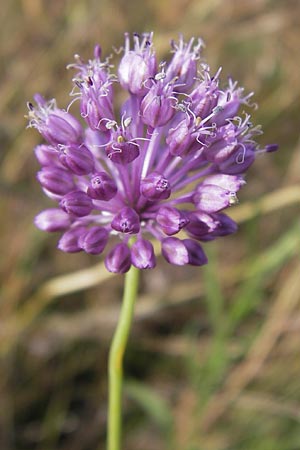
<point x="278" y="199"/>
<point x="284" y="305"/>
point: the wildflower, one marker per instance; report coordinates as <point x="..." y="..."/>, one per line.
<point x="171" y="161"/>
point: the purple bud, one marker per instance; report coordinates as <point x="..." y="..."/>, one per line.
<point x="52" y="220"/>
<point x="137" y="65"/>
<point x="69" y="242"/>
<point x="174" y="251"/>
<point x="61" y="127"/>
<point x="171" y="220"/>
<point x="158" y="105"/>
<point x="224" y="226"/>
<point x="77" y="203"/>
<point x="102" y="187"/>
<point x="221" y="145"/>
<point x="77" y="159"/>
<point x="47" y="155"/>
<point x="181" y="252"/>
<point x="204" y="98"/>
<point x="179" y="138"/>
<point x="56" y="181"/>
<point x="217" y="192"/>
<point x="94" y="241"/>
<point x="183" y="66"/>
<point x="122" y="152"/>
<point x="196" y="255"/>
<point x="200" y="225"/>
<point x="155" y="187"/>
<point x="133" y="71"/>
<point x="230" y="182"/>
<point x="96" y="104"/>
<point x="142" y="254"/>
<point x="226" y="111"/>
<point x="211" y="198"/>
<point x="118" y="259"/>
<point x="126" y="221"/>
<point x="239" y="161"/>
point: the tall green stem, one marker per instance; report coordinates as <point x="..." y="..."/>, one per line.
<point x="115" y="365"/>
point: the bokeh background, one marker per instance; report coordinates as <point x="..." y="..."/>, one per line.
<point x="213" y="361"/>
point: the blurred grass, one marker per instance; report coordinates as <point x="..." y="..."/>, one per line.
<point x="213" y="360"/>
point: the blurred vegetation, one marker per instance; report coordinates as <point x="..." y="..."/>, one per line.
<point x="213" y="361"/>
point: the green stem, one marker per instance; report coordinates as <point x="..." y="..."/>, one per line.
<point x="115" y="365"/>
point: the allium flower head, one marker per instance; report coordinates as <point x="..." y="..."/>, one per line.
<point x="170" y="161"/>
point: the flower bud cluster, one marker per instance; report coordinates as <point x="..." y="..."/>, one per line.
<point x="170" y="162"/>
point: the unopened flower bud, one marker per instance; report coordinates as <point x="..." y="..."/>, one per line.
<point x="77" y="203"/>
<point x="56" y="181"/>
<point x="196" y="255"/>
<point x="183" y="66"/>
<point x="171" y="220"/>
<point x="137" y="65"/>
<point x="157" y="106"/>
<point x="52" y="220"/>
<point x="181" y="252"/>
<point x="217" y="192"/>
<point x="94" y="241"/>
<point x="118" y="260"/>
<point x="47" y="155"/>
<point x="200" y="225"/>
<point x="155" y="187"/>
<point x="224" y="226"/>
<point x="174" y="251"/>
<point x="102" y="187"/>
<point x="221" y="145"/>
<point x="126" y="221"/>
<point x="239" y="161"/>
<point x="57" y="126"/>
<point x="77" y="159"/>
<point x="96" y="104"/>
<point x="179" y="139"/>
<point x="69" y="242"/>
<point x="142" y="254"/>
<point x="62" y="128"/>
<point x="122" y="152"/>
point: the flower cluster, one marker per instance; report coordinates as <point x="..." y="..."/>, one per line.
<point x="171" y="160"/>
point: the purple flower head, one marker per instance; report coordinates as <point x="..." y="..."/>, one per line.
<point x="170" y="161"/>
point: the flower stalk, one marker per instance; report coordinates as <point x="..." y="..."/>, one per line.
<point x="116" y="355"/>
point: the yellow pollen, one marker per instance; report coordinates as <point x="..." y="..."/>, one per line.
<point x="233" y="200"/>
<point x="198" y="120"/>
<point x="120" y="139"/>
